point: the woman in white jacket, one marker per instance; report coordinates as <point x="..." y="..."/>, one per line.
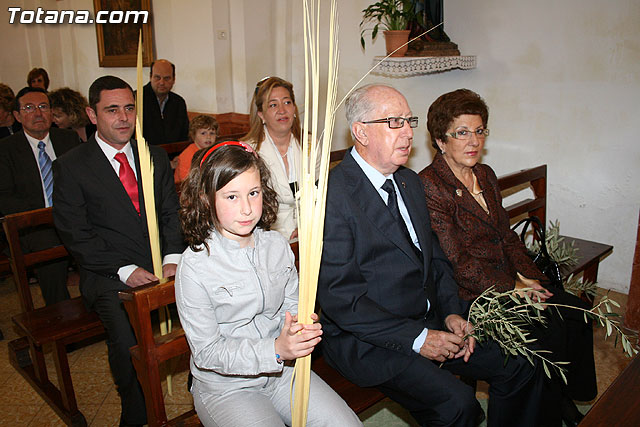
<point x="275" y="133"/>
<point x="236" y="292"/>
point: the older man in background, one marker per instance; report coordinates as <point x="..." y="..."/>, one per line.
<point x="165" y="112"/>
<point x="26" y="179"/>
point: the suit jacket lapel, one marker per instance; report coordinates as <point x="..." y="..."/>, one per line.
<point x="101" y="167"/>
<point x="466" y="200"/>
<point x="143" y="211"/>
<point x="489" y="197"/>
<point x="54" y="144"/>
<point x="367" y="197"/>
<point x="32" y="168"/>
<point x="417" y="220"/>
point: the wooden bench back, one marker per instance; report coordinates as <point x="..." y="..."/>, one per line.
<point x="536" y="178"/>
<point x="152" y="351"/>
<point x="589" y="253"/>
<point x="13" y="225"/>
<point x="229" y="124"/>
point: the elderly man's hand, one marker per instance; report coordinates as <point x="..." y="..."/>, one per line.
<point x="441" y="345"/>
<point x="140" y="277"/>
<point x="169" y="270"/>
<point x="461" y="328"/>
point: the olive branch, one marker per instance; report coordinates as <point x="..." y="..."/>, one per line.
<point x="506" y="317"/>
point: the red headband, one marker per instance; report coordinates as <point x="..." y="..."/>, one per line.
<point x="246" y="147"/>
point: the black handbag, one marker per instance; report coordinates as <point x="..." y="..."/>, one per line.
<point x="541" y="259"/>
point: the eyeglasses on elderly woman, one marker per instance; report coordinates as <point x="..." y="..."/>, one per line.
<point x="465" y="134"/>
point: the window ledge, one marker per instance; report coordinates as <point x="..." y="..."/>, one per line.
<point x="408" y="66"/>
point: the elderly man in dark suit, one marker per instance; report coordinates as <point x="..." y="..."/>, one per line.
<point x="26" y="179"/>
<point x="100" y="214"/>
<point x="390" y="311"/>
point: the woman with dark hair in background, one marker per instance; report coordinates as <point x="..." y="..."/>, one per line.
<point x="38" y="77"/>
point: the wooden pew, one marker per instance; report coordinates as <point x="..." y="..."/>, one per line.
<point x="230" y="125"/>
<point x="618" y="406"/>
<point x="589" y="253"/>
<point x="58" y="325"/>
<point x="151" y="351"/>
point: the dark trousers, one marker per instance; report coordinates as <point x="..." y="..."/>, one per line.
<point x="570" y="339"/>
<point x="120" y="337"/>
<point x="566" y="337"/>
<point x="52" y="276"/>
<point x="435" y="397"/>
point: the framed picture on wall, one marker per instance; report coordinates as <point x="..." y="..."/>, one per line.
<point x="118" y="23"/>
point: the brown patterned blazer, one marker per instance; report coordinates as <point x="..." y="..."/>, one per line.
<point x="482" y="248"/>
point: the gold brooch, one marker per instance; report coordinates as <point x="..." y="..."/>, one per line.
<point x="459" y="192"/>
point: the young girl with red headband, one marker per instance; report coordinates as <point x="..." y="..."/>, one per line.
<point x="237" y="295"/>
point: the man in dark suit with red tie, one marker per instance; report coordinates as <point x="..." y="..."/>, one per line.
<point x="26" y="179"/>
<point x="390" y="309"/>
<point x="100" y="214"/>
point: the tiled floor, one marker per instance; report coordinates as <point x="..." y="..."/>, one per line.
<point x="99" y="402"/>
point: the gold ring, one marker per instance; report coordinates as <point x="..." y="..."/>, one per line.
<point x="448" y="353"/>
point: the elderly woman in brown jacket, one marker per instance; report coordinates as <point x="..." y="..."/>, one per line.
<point x="466" y="212"/>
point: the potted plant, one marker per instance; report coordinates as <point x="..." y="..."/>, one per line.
<point x="394" y="17"/>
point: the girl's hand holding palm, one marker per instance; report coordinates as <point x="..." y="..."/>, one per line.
<point x="297" y="340"/>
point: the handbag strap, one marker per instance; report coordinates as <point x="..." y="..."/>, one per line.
<point x="538" y="230"/>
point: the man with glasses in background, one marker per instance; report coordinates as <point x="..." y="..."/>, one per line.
<point x="26" y="179"/>
<point x="391" y="316"/>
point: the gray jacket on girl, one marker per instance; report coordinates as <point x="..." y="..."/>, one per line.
<point x="232" y="303"/>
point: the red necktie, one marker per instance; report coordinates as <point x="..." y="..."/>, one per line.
<point x="128" y="179"/>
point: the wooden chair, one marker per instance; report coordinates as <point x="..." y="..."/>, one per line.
<point x="152" y="351"/>
<point x="57" y="325"/>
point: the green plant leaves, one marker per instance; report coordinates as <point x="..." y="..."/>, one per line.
<point x="391" y="14"/>
<point x="505" y="318"/>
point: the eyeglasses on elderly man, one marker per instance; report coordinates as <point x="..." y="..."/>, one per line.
<point x="396" y="122"/>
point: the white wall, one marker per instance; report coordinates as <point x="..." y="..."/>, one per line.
<point x="561" y="80"/>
